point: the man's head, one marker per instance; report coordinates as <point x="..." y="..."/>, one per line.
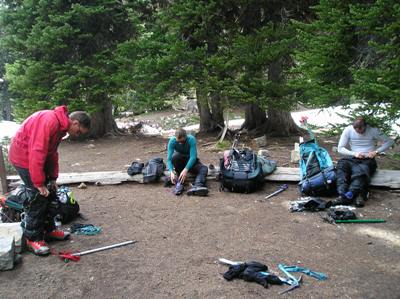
<point x="180" y="135"/>
<point x="79" y="123"/>
<point x="360" y="125"/>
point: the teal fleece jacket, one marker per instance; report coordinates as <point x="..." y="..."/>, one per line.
<point x="187" y="148"/>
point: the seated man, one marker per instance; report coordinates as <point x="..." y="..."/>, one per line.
<point x="33" y="152"/>
<point x="181" y="159"/>
<point x="354" y="171"/>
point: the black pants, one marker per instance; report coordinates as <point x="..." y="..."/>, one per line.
<point x="38" y="219"/>
<point x="354" y="175"/>
<point x="179" y="162"/>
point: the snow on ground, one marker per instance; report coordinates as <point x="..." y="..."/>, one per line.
<point x="8" y="129"/>
<point x="317" y="117"/>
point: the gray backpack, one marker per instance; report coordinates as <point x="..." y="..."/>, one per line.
<point x="153" y="170"/>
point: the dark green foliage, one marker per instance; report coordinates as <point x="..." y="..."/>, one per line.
<point x="350" y="54"/>
<point x="63" y="52"/>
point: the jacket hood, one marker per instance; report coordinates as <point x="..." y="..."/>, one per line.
<point x="62" y="116"/>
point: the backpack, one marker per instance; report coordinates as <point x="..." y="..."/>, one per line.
<point x="241" y="171"/>
<point x="135" y="168"/>
<point x="61" y="203"/>
<point x="66" y="205"/>
<point x="317" y="172"/>
<point x="268" y="166"/>
<point x="12" y="206"/>
<point x="153" y="170"/>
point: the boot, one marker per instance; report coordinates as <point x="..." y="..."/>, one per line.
<point x="361" y="199"/>
<point x="38" y="247"/>
<point x="198" y="191"/>
<point x="58" y="235"/>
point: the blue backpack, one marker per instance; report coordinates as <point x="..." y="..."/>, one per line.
<point x="317" y="172"/>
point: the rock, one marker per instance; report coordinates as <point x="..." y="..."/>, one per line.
<point x="295" y="154"/>
<point x="91" y="145"/>
<point x="7" y="253"/>
<point x="82" y="186"/>
<point x="13" y="230"/>
<point x="261" y="141"/>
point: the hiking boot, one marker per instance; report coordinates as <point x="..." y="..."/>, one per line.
<point x="360" y="200"/>
<point x="179" y="188"/>
<point x="58" y="235"/>
<point x="341" y="201"/>
<point x="198" y="191"/>
<point x="38" y="247"/>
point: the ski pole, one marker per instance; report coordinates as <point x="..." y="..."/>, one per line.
<point x="67" y="256"/>
<point x="280" y="189"/>
<point x="361" y="221"/>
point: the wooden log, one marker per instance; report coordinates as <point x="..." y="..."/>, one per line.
<point x="382" y="178"/>
<point x="3" y="174"/>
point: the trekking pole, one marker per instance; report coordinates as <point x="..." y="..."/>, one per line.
<point x="361" y="221"/>
<point x="280" y="189"/>
<point x="67" y="256"/>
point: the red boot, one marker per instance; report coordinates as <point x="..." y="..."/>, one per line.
<point x="38" y="247"/>
<point x="58" y="235"/>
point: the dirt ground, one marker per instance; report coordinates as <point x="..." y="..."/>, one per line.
<point x="181" y="238"/>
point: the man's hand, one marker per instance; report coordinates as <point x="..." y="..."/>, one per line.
<point x="359" y="156"/>
<point x="173" y="178"/>
<point x="53" y="185"/>
<point x="183" y="175"/>
<point x="43" y="191"/>
<point x="372" y="154"/>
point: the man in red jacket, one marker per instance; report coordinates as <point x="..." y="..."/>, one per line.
<point x="33" y="152"/>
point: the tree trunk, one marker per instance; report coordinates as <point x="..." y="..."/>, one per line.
<point x="5" y="103"/>
<point x="207" y="123"/>
<point x="217" y="109"/>
<point x="103" y="121"/>
<point x="280" y="123"/>
<point x="254" y="119"/>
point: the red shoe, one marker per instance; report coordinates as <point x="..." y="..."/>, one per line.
<point x="38" y="247"/>
<point x="58" y="235"/>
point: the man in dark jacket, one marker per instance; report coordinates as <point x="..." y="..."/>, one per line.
<point x="33" y="152"/>
<point x="181" y="159"/>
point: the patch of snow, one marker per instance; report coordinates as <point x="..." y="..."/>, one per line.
<point x="8" y="129"/>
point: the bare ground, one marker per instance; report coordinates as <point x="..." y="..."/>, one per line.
<point x="181" y="238"/>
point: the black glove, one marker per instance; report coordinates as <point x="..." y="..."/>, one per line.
<point x="234" y="271"/>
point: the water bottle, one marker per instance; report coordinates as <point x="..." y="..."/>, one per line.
<point x="57" y="221"/>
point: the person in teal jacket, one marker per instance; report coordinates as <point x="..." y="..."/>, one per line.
<point x="182" y="159"/>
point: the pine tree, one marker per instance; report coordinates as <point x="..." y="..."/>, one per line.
<point x="64" y="54"/>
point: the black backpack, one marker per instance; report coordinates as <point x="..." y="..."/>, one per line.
<point x="241" y="171"/>
<point x="153" y="170"/>
<point x="62" y="203"/>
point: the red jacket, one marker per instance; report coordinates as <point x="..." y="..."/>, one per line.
<point x="35" y="144"/>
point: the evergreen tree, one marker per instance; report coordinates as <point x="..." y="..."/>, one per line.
<point x="350" y="54"/>
<point x="64" y="54"/>
<point x="377" y="70"/>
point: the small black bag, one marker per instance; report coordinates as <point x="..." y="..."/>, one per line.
<point x="135" y="168"/>
<point x="153" y="170"/>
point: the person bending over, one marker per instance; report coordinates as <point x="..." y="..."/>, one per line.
<point x="33" y="153"/>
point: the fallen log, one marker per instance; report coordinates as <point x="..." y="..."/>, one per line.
<point x="382" y="177"/>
